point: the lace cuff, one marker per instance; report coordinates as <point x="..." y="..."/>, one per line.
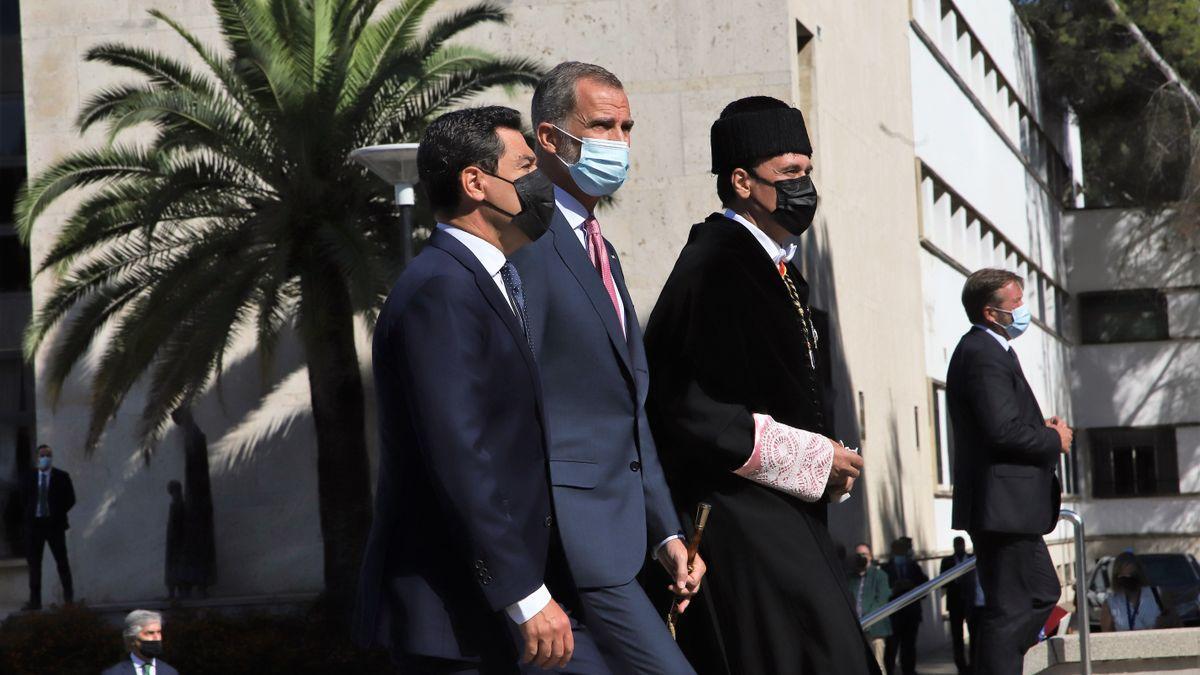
<point x="787" y="459"/>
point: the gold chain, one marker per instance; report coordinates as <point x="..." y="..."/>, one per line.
<point x="806" y="326"/>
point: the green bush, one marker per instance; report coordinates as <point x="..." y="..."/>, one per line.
<point x="76" y="640"/>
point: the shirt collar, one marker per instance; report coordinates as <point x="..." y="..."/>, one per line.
<point x="139" y="663"/>
<point x="1004" y="342"/>
<point x="776" y="252"/>
<point x="574" y="212"/>
<point x="488" y="255"/>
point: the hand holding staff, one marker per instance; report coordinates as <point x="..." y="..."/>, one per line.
<point x="693" y="546"/>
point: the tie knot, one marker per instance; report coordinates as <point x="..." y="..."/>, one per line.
<point x="591" y="226"/>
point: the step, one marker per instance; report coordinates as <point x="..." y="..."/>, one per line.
<point x="1174" y="650"/>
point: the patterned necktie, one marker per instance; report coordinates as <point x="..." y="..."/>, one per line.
<point x="43" y="506"/>
<point x="598" y="253"/>
<point x="512" y="281"/>
<point x="146" y="669"/>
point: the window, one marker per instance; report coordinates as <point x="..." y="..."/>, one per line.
<point x="14" y="264"/>
<point x="1134" y="462"/>
<point x="942" y="437"/>
<point x="1067" y="472"/>
<point x="1123" y="316"/>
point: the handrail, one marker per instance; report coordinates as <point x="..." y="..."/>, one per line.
<point x="966" y="566"/>
<point x="919" y="592"/>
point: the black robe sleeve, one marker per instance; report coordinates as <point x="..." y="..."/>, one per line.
<point x="698" y="350"/>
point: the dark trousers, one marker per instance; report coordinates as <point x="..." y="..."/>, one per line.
<point x="957" y="618"/>
<point x="1020" y="588"/>
<point x="41" y="533"/>
<point x="902" y="641"/>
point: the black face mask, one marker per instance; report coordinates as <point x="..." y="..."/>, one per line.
<point x="151" y="648"/>
<point x="795" y="203"/>
<point x="861" y="562"/>
<point x="535" y="192"/>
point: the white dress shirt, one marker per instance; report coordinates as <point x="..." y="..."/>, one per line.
<point x="776" y="252"/>
<point x="42" y="476"/>
<point x="138" y="665"/>
<point x="1004" y="341"/>
<point x="492" y="260"/>
<point x="576" y="216"/>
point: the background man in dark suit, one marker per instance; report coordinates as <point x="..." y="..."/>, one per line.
<point x="1006" y="492"/>
<point x="611" y="498"/>
<point x="960" y="595"/>
<point x="143" y="639"/>
<point x="46" y="496"/>
<point x="904" y="574"/>
<point x="463" y="570"/>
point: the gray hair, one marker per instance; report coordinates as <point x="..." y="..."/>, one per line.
<point x="137" y="620"/>
<point x="554" y="97"/>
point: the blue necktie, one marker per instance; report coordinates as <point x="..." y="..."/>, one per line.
<point x="512" y="281"/>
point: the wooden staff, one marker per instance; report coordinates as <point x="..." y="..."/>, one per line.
<point x="693" y="546"/>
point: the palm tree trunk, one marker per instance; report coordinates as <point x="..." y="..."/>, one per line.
<point x="327" y="331"/>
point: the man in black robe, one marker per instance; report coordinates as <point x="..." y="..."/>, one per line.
<point x="736" y="408"/>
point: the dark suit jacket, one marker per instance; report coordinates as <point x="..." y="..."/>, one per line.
<point x="1004" y="454"/>
<point x="903" y="581"/>
<point x="61" y="497"/>
<point x="462" y="509"/>
<point x="610" y="496"/>
<point x="960" y="594"/>
<point x="126" y="668"/>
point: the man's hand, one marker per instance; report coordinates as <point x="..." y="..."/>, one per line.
<point x="549" y="642"/>
<point x="846" y="466"/>
<point x="833" y="494"/>
<point x="1065" y="434"/>
<point x="673" y="557"/>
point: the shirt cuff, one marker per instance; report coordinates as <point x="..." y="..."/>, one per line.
<point x="661" y="544"/>
<point x="524" y="610"/>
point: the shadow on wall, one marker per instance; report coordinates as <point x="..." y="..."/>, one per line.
<point x="848" y="522"/>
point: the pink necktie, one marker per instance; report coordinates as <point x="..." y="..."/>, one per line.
<point x="598" y="252"/>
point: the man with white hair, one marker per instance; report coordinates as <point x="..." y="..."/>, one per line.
<point x="143" y="639"/>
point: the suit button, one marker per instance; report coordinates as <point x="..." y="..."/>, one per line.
<point x="635" y="465"/>
<point x="479" y="564"/>
<point x="549" y="521"/>
<point x="487" y="579"/>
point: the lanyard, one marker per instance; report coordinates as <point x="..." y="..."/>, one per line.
<point x="1131" y="612"/>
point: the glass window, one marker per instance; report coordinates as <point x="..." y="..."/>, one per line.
<point x="1134" y="462"/>
<point x="14" y="265"/>
<point x="1122" y="316"/>
<point x="942" y="436"/>
<point x="11" y="178"/>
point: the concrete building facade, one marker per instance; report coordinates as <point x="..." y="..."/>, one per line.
<point x="935" y="154"/>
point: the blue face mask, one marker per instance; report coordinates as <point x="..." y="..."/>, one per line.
<point x="601" y="167"/>
<point x="1021" y="318"/>
<point x="44" y="463"/>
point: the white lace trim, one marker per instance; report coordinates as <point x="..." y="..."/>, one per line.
<point x="788" y="459"/>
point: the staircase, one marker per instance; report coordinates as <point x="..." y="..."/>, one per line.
<point x="1175" y="651"/>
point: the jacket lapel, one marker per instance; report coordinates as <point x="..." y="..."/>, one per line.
<point x="492" y="294"/>
<point x="573" y="255"/>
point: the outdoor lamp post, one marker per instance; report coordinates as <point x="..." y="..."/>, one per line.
<point x="397" y="164"/>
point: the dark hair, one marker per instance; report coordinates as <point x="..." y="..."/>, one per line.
<point x="43" y="445"/>
<point x="751" y="104"/>
<point x="960" y="540"/>
<point x="457" y="140"/>
<point x="863" y="543"/>
<point x="554" y="96"/>
<point x="981" y="288"/>
<point x="1128" y="558"/>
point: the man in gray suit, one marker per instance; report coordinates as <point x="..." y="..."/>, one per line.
<point x="612" y="502"/>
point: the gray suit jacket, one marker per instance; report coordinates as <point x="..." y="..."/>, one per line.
<point x="610" y="496"/>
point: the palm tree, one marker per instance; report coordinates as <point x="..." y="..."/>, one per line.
<point x="242" y="215"/>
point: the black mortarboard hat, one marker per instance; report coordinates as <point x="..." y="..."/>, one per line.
<point x="754" y="128"/>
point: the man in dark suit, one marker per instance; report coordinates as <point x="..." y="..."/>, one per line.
<point x="463" y="570"/>
<point x="143" y="639"/>
<point x="904" y="574"/>
<point x="1006" y="491"/>
<point x="960" y="596"/>
<point x="612" y="500"/>
<point x="46" y="496"/>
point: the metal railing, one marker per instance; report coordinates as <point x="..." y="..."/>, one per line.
<point x="968" y="565"/>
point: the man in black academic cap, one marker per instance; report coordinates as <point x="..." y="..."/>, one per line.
<point x="736" y="408"/>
